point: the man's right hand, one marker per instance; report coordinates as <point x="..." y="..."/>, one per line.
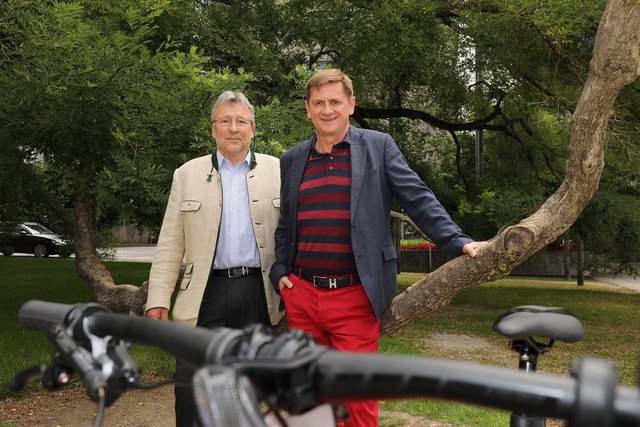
<point x="159" y="313"/>
<point x="284" y="281"/>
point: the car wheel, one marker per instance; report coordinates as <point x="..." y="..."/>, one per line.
<point x="41" y="250"/>
<point x="7" y="251"/>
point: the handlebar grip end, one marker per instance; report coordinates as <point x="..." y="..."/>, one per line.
<point x="42" y="315"/>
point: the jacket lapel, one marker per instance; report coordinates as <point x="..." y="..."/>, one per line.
<point x="358" y="166"/>
<point x="298" y="162"/>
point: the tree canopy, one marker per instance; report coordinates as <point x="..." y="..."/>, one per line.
<point x="112" y="96"/>
<point x="433" y="74"/>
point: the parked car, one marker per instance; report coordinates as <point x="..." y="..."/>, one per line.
<point x="32" y="238"/>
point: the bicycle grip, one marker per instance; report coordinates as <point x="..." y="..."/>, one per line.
<point x="42" y="315"/>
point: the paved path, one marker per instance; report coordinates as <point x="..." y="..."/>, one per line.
<point x="620" y="280"/>
<point x="135" y="253"/>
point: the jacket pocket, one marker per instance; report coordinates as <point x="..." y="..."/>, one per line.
<point x="190" y="205"/>
<point x="186" y="278"/>
<point x="389" y="253"/>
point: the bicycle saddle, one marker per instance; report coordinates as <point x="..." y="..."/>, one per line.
<point x="526" y="321"/>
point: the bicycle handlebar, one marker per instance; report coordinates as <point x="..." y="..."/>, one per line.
<point x="41" y="315"/>
<point x="299" y="375"/>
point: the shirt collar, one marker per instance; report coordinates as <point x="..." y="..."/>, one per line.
<point x="315" y="155"/>
<point x="220" y="160"/>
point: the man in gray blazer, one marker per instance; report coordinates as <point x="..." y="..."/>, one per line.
<point x="220" y="217"/>
<point x="335" y="260"/>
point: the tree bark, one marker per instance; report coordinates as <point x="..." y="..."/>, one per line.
<point x="91" y="269"/>
<point x="615" y="64"/>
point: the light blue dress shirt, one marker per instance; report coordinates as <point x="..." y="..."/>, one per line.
<point x="237" y="245"/>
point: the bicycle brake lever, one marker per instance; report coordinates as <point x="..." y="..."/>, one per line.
<point x="126" y="369"/>
<point x="53" y="377"/>
<point x="57" y="375"/>
<point x="78" y="360"/>
<point x="23" y="377"/>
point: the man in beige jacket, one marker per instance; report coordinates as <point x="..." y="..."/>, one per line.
<point x="221" y="216"/>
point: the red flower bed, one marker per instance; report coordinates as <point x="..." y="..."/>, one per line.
<point x="409" y="245"/>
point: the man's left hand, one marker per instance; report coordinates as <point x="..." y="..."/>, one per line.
<point x="472" y="248"/>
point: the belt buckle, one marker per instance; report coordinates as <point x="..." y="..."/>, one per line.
<point x="333" y="281"/>
<point x="313" y="280"/>
<point x="245" y="272"/>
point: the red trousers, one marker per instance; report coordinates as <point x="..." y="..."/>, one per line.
<point x="342" y="319"/>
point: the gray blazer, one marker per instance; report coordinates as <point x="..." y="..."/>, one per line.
<point x="379" y="172"/>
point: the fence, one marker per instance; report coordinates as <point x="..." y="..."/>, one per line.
<point x="543" y="263"/>
<point x="130" y="235"/>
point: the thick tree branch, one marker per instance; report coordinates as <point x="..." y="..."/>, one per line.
<point x="360" y="120"/>
<point x="615" y="64"/>
<point x="387" y="113"/>
<point x="121" y="298"/>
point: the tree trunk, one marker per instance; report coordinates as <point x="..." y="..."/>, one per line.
<point x="580" y="262"/>
<point x="566" y="258"/>
<point x="615" y="64"/>
<point x="119" y="298"/>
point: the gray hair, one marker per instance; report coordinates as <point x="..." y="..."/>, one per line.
<point x="232" y="97"/>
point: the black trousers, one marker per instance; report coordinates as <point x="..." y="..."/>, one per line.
<point x="227" y="302"/>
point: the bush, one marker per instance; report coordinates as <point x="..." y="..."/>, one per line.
<point x="417" y="245"/>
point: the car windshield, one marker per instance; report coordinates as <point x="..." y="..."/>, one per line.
<point x="36" y="228"/>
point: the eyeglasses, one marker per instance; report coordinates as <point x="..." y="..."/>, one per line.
<point x="226" y="122"/>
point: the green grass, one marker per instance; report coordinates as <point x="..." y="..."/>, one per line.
<point x="611" y="318"/>
<point x="54" y="279"/>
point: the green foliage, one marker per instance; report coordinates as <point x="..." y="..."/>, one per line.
<point x="553" y="21"/>
<point x="416" y="245"/>
<point x="610" y="227"/>
<point x="115" y="95"/>
<point x="26" y="195"/>
<point x="86" y="92"/>
<point x="494" y="210"/>
<point x="55" y="280"/>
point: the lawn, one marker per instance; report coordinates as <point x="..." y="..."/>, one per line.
<point x="460" y="331"/>
<point x="53" y="279"/>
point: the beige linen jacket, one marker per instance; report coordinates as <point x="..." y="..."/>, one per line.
<point x="190" y="230"/>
